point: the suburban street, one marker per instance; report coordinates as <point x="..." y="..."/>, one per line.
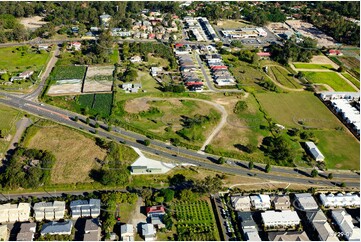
<point x="64" y="117"/>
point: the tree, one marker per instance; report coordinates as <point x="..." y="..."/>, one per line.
<point x="314" y="173"/>
<point x="87" y="120"/>
<point x="250" y="165"/>
<point x="268" y="168"/>
<point x="219" y="44"/>
<point x="76" y="118"/>
<point x="96" y="125"/>
<point x="159" y="199"/>
<point x="168" y="194"/>
<point x="330" y="176"/>
<point x="342" y="184"/>
<point x="341" y="69"/>
<point x="188" y="195"/>
<point x="221" y="160"/>
<point x="147" y="142"/>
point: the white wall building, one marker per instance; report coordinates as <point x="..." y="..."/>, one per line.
<point x="241" y="203"/>
<point x="14" y="212"/>
<point x="84" y="208"/>
<point x="315" y="152"/>
<point x="260" y="202"/>
<point x="344" y="223"/>
<point x="340" y="200"/>
<point x="305" y="201"/>
<point x="286" y="218"/>
<point x="49" y="210"/>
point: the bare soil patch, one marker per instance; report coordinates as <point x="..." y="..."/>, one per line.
<point x="321" y="59"/>
<point x="136" y="105"/>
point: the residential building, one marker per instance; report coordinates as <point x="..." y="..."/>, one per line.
<point x="155" y="70"/>
<point x="92" y="230"/>
<point x="264" y="55"/>
<point x="305" y="201"/>
<point x="260" y="202"/>
<point x="49" y="210"/>
<point x="345" y="225"/>
<point x="136" y="59"/>
<point x="126" y="232"/>
<point x="75" y="45"/>
<point x="61" y="228"/>
<point x="157" y="222"/>
<point x="318" y="221"/>
<point x="14" y="212"/>
<point x="334" y="52"/>
<point x="352" y="96"/>
<point x="349" y="113"/>
<point x="288" y="236"/>
<point x="280" y="202"/>
<point x="241" y="203"/>
<point x="4" y="232"/>
<point x="43" y="47"/>
<point x="252" y="236"/>
<point x="284" y="219"/>
<point x="104" y="19"/>
<point x="249" y="227"/>
<point x="84" y="208"/>
<point x="27" y="231"/>
<point x="127" y="86"/>
<point x="315" y="152"/>
<point x="26" y="74"/>
<point x="158" y="211"/>
<point x="340" y="200"/>
<point x="148" y="232"/>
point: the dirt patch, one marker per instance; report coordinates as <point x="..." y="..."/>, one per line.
<point x="75" y="154"/>
<point x="136" y="105"/>
<point x="68" y="89"/>
<point x="32" y="22"/>
<point x="321" y="59"/>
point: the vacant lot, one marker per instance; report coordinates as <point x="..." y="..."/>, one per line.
<point x="18" y="59"/>
<point x="352" y="79"/>
<point x="294" y="109"/>
<point x="96" y="103"/>
<point x="284" y="77"/>
<point x="76" y="153"/>
<point x="99" y="79"/>
<point x="148" y="82"/>
<point x="8" y="119"/>
<point x="312" y="66"/>
<point x="347" y="147"/>
<point x="233" y="24"/>
<point x="330" y="78"/>
<point x="351" y="63"/>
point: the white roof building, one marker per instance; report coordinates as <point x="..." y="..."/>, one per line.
<point x="14" y="212"/>
<point x="83" y="208"/>
<point x="261" y="202"/>
<point x="340" y="95"/>
<point x="49" y="210"/>
<point x="252" y="236"/>
<point x="316" y="153"/>
<point x="127" y="232"/>
<point x="305" y="201"/>
<point x="340" y="200"/>
<point x="344" y="222"/>
<point x="284" y="218"/>
<point x="148" y="232"/>
<point x="241" y="203"/>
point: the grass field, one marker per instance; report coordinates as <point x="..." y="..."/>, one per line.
<point x="312" y="66"/>
<point x="157" y="61"/>
<point x="75" y="152"/>
<point x="8" y="119"/>
<point x="195" y="221"/>
<point x="284" y="78"/>
<point x="352" y="79"/>
<point x="351" y="63"/>
<point x="68" y="72"/>
<point x="15" y="60"/>
<point x="348" y="149"/>
<point x="148" y="82"/>
<point x="232" y="24"/>
<point x="96" y="103"/>
<point x="330" y="78"/>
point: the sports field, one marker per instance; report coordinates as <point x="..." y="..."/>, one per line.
<point x="330" y="78"/>
<point x="18" y="59"/>
<point x="312" y="66"/>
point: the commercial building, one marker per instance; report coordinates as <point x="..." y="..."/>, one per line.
<point x="284" y="219"/>
<point x="14" y="212"/>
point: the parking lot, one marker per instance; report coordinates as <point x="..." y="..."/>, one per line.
<point x="225" y="219"/>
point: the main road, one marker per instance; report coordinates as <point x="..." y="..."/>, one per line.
<point x="173" y="153"/>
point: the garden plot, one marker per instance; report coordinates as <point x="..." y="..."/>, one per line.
<point x="66" y="80"/>
<point x="99" y="79"/>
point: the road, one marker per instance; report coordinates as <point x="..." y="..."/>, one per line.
<point x="64" y="117"/>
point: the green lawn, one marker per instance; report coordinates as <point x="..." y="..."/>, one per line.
<point x="284" y="78"/>
<point x="291" y="109"/>
<point x="148" y="82"/>
<point x="14" y="59"/>
<point x="8" y="119"/>
<point x="157" y="61"/>
<point x="312" y="66"/>
<point x="352" y="79"/>
<point x="68" y="72"/>
<point x="342" y="150"/>
<point x="330" y="78"/>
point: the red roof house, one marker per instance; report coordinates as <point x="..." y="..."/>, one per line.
<point x="155" y="210"/>
<point x="334" y="52"/>
<point x="151" y="36"/>
<point x="178" y="45"/>
<point x="264" y="54"/>
<point x="219" y="67"/>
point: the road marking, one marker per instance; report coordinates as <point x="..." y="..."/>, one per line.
<point x="46" y="110"/>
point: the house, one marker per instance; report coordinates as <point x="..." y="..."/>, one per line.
<point x="14" y="212"/>
<point x="318" y="221"/>
<point x="340" y="200"/>
<point x="148" y="232"/>
<point x="49" y="210"/>
<point x="126" y="232"/>
<point x="157" y="222"/>
<point x="4" y="233"/>
<point x="260" y="202"/>
<point x="249" y="227"/>
<point x="43" y="47"/>
<point x="315" y="152"/>
<point x="27" y="231"/>
<point x="26" y="74"/>
<point x="334" y="52"/>
<point x="280" y="202"/>
<point x="83" y="208"/>
<point x="241" y="203"/>
<point x="219" y="68"/>
<point x="252" y="236"/>
<point x="343" y="220"/>
<point x="155" y="70"/>
<point x="60" y="228"/>
<point x="352" y="96"/>
<point x="75" y="45"/>
<point x="127" y="86"/>
<point x="92" y="230"/>
<point x="151" y="36"/>
<point x="104" y="19"/>
<point x="224" y="81"/>
<point x="157" y="211"/>
<point x="288" y="236"/>
<point x="305" y="201"/>
<point x="264" y="55"/>
<point x="284" y="219"/>
<point x="136" y="59"/>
